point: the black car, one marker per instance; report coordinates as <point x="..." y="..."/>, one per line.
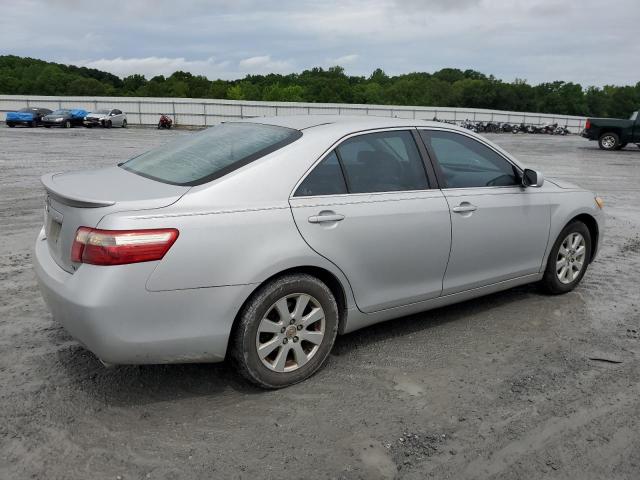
<point x="64" y="117"/>
<point x="29" y="116"/>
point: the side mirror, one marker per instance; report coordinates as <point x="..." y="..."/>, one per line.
<point x="532" y="178"/>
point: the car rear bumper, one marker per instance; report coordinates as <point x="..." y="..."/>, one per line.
<point x="109" y="311"/>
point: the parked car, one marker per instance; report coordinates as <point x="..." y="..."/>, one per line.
<point x="613" y="133"/>
<point x="262" y="239"/>
<point x="29" y="116"/>
<point x="106" y="118"/>
<point x="66" y="118"/>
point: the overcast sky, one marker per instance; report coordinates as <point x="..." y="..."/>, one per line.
<point x="592" y="42"/>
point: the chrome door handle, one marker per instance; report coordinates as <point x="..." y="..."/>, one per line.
<point x="464" y="207"/>
<point x="327" y="217"/>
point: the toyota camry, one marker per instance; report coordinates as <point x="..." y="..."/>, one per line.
<point x="260" y="240"/>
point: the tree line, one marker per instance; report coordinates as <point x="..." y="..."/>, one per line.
<point x="449" y="87"/>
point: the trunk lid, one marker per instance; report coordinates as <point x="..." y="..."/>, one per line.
<point x="78" y="199"/>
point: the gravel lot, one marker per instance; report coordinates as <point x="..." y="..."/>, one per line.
<point x="507" y="386"/>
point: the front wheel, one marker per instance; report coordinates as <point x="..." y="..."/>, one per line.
<point x="568" y="259"/>
<point x="285" y="331"/>
<point x="124" y="124"/>
<point x="608" y="141"/>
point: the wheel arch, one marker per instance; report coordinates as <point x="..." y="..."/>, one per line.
<point x="328" y="278"/>
<point x="592" y="224"/>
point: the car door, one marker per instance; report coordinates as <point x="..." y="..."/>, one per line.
<point x="116" y="117"/>
<point x="367" y="207"/>
<point x="499" y="228"/>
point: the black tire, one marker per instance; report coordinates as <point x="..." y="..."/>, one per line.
<point x="550" y="282"/>
<point x="621" y="146"/>
<point x="608" y="141"/>
<point x="47" y="126"/>
<point x="33" y="124"/>
<point x="108" y="124"/>
<point x="159" y="125"/>
<point x="243" y="350"/>
<point x="67" y="124"/>
<point x="11" y="125"/>
<point x="124" y="124"/>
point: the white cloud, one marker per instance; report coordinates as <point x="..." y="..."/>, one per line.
<point x="344" y="60"/>
<point x="264" y="63"/>
<point x="152" y="66"/>
<point x="539" y="40"/>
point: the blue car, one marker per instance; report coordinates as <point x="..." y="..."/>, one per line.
<point x="29" y="116"/>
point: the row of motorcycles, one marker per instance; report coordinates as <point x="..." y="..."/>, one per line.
<point x="498" y="127"/>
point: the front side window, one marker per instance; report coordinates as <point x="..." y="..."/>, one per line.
<point x="210" y="154"/>
<point x="467" y="163"/>
<point x="382" y="162"/>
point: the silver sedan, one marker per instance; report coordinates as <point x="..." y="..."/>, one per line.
<point x="261" y="240"/>
<point x="106" y="117"/>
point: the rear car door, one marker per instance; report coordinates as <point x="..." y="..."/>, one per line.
<point x="499" y="229"/>
<point x="368" y="207"/>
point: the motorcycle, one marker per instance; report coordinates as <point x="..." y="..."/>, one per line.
<point x="165" y="122"/>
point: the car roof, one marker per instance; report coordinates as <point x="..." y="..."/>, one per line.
<point x="355" y="123"/>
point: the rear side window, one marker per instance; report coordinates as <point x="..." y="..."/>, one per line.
<point x="382" y="162"/>
<point x="325" y="179"/>
<point x="210" y="154"/>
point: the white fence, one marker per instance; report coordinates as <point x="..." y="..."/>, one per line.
<point x="206" y="112"/>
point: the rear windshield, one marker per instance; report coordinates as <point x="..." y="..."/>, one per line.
<point x="210" y="154"/>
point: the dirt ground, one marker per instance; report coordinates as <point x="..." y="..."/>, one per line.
<point x="514" y="385"/>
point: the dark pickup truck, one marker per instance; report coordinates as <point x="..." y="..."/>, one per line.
<point x="613" y="133"/>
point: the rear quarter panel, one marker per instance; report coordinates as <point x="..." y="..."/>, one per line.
<point x="226" y="248"/>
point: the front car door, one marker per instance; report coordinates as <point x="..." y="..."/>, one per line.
<point x="367" y="206"/>
<point x="499" y="228"/>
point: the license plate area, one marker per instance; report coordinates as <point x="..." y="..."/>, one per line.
<point x="52" y="224"/>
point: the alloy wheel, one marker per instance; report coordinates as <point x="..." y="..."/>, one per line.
<point x="290" y="333"/>
<point x="571" y="257"/>
<point x="608" y="141"/>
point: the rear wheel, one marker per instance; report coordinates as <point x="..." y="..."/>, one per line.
<point x="11" y="125"/>
<point x="285" y="331"/>
<point x="568" y="259"/>
<point x="608" y="141"/>
<point x="33" y="124"/>
<point x="67" y="124"/>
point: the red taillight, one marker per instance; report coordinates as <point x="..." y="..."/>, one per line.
<point x="587" y="125"/>
<point x="119" y="247"/>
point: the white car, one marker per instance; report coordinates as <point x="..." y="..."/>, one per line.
<point x="106" y="118"/>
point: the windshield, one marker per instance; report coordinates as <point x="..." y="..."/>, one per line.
<point x="60" y="112"/>
<point x="210" y="154"/>
<point x="101" y="112"/>
<point x="633" y="116"/>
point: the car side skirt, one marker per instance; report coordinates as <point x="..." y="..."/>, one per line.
<point x="357" y="319"/>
